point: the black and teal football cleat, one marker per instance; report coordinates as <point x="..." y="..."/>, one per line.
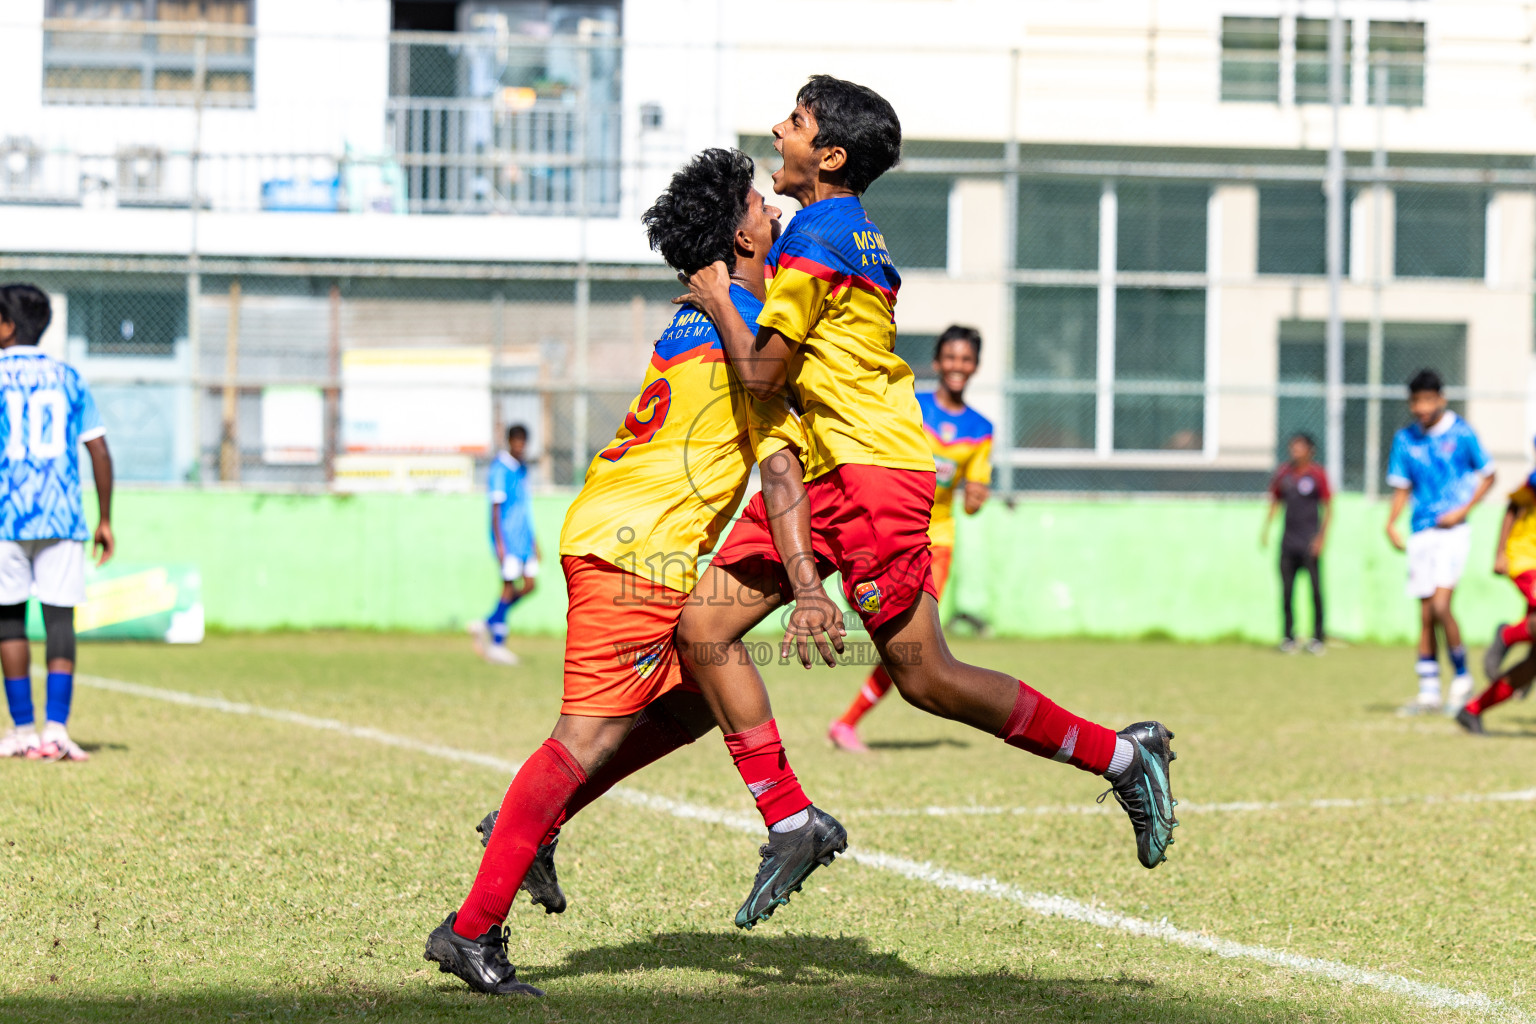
<point x="1145" y="793"/>
<point x="788" y="860"/>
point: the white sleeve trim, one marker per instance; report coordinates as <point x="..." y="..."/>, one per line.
<point x="1399" y="481"/>
<point x="93" y="434"/>
<point x="1487" y="470"/>
<point x="498" y="497"/>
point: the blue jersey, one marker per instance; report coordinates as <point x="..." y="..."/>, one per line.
<point x="46" y="414"/>
<point x="1441" y="466"/>
<point x="507" y="484"/>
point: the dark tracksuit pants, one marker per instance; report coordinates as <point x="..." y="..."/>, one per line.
<point x="1293" y="560"/>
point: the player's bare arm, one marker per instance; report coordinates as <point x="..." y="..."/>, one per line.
<point x="1399" y="502"/>
<point x="1457" y="516"/>
<point x="760" y="358"/>
<point x="789" y="520"/>
<point x="501" y="543"/>
<point x="976" y="495"/>
<point x="1321" y="539"/>
<point x="1501" y="550"/>
<point x="103" y="544"/>
<point x="1274" y="507"/>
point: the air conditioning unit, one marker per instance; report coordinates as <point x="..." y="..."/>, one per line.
<point x="139" y="171"/>
<point x="21" y="165"/>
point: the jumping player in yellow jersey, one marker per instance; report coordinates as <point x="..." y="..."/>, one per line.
<point x="655" y="499"/>
<point x="961" y="439"/>
<point x="1515" y="557"/>
<point x="826" y="338"/>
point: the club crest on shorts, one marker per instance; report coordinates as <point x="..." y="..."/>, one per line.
<point x="867" y="596"/>
<point x="646" y="660"/>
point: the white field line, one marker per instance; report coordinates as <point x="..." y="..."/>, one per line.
<point x="1048" y="905"/>
<point x="1520" y="796"/>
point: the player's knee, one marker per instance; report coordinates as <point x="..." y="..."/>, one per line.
<point x="59" y="625"/>
<point x="13" y="621"/>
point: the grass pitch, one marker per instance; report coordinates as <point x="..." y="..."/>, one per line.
<point x="214" y="867"/>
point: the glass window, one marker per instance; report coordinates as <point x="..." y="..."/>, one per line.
<point x="1399" y="47"/>
<point x="1406" y="349"/>
<point x="112" y="65"/>
<point x="1159" y="339"/>
<point x="1441" y="232"/>
<point x="1312" y="60"/>
<point x="1162" y="225"/>
<point x="1055" y="349"/>
<point x="1059" y="225"/>
<point x="1293" y="229"/>
<point x="1250" y="60"/>
<point x="912" y="212"/>
<point x="128" y="323"/>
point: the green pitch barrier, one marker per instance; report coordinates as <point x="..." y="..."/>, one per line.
<point x="1181" y="569"/>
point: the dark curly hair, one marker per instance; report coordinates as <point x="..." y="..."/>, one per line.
<point x="27" y="307"/>
<point x="955" y="332"/>
<point x="859" y="120"/>
<point x="1426" y="380"/>
<point x="693" y="223"/>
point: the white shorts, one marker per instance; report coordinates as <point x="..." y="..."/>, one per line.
<point x="1437" y="558"/>
<point x="514" y="568"/>
<point x="51" y="570"/>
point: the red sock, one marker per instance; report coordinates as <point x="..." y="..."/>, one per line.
<point x="875" y="687"/>
<point x="655" y="735"/>
<point x="759" y="757"/>
<point x="1499" y="692"/>
<point x="1040" y="727"/>
<point x="534" y="800"/>
<point x="1517" y="633"/>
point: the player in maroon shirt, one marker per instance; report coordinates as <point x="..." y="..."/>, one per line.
<point x="1302" y="487"/>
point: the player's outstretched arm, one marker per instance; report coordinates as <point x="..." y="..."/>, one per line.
<point x="976" y="495"/>
<point x="1399" y="502"/>
<point x="103" y="543"/>
<point x="1500" y="551"/>
<point x="789" y="521"/>
<point x="759" y="357"/>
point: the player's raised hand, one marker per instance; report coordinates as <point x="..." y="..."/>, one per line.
<point x="705" y="285"/>
<point x="103" y="544"/>
<point x="815" y="616"/>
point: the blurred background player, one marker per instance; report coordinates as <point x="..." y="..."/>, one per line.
<point x="1302" y="487"/>
<point x="47" y="413"/>
<point x="1438" y="460"/>
<point x="961" y="439"/>
<point x="1515" y="557"/>
<point x="517" y="552"/>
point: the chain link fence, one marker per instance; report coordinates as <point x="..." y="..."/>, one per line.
<point x="1154" y="315"/>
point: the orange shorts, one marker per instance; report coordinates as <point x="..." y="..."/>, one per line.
<point x="619" y="628"/>
<point x="941" y="559"/>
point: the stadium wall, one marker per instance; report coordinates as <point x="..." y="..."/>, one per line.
<point x="1184" y="569"/>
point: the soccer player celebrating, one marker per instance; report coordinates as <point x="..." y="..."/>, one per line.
<point x="517" y="553"/>
<point x="961" y="439"/>
<point x="1439" y="462"/>
<point x="654" y="500"/>
<point x="1515" y="557"/>
<point x="826" y="337"/>
<point x="1302" y="487"/>
<point x="47" y="414"/>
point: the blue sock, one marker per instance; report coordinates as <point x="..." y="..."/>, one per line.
<point x="61" y="690"/>
<point x="498" y="620"/>
<point x="1459" y="660"/>
<point x="18" y="694"/>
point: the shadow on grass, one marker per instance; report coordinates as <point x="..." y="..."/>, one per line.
<point x="711" y="978"/>
<point x="915" y="744"/>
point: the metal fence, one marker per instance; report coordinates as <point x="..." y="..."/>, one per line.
<point x="1156" y="310"/>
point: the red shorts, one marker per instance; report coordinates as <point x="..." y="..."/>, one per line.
<point x="1526" y="584"/>
<point x="619" y="654"/>
<point x="869" y="523"/>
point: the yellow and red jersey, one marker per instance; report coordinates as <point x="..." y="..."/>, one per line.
<point x="657" y="497"/>
<point x="962" y="452"/>
<point x="832" y="291"/>
<point x="1520" y="549"/>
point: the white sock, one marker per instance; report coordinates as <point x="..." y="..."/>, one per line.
<point x="1429" y="680"/>
<point x="1124" y="751"/>
<point x="794" y="821"/>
